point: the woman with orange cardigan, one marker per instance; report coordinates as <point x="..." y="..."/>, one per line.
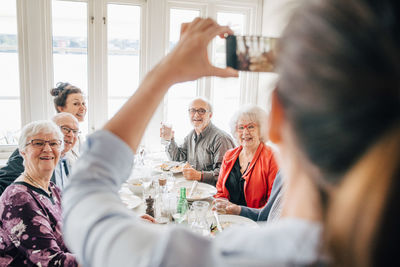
<point x="248" y="171"/>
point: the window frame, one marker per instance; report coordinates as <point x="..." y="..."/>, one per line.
<point x="34" y="22"/>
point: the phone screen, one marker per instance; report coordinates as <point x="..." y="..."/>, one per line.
<point x="251" y="53"/>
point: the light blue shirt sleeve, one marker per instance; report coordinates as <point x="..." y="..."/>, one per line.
<point x="103" y="232"/>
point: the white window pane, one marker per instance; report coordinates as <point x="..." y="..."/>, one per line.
<point x="9" y="74"/>
<point x="70" y="43"/>
<point x="10" y="125"/>
<point x="123" y="53"/>
<point x="180" y="95"/>
<point x="69" y="20"/>
<point x="176" y="18"/>
<point x="177" y="109"/>
<point x="226" y="95"/>
<point x="235" y="21"/>
<point x="226" y="92"/>
<point x="114" y="104"/>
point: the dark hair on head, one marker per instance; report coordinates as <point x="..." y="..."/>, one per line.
<point x="61" y="93"/>
<point x="339" y="66"/>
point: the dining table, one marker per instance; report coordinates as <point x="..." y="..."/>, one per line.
<point x="138" y="197"/>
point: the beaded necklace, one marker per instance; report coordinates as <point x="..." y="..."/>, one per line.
<point x="30" y="179"/>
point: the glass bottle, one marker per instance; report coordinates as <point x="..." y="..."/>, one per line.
<point x="163" y="215"/>
<point x="182" y="207"/>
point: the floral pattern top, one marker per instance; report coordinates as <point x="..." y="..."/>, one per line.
<point x="30" y="227"/>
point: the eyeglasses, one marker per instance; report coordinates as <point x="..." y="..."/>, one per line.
<point x="67" y="130"/>
<point x="250" y="127"/>
<point x="201" y="111"/>
<point x="39" y="143"/>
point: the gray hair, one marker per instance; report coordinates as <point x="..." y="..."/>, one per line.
<point x="62" y="115"/>
<point x="254" y="114"/>
<point x="39" y="127"/>
<point x="205" y="100"/>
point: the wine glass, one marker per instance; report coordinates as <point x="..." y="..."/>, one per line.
<point x="170" y="181"/>
<point x="141" y="153"/>
<point x="146" y="180"/>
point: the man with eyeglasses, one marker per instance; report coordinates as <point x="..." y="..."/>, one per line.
<point x="70" y="128"/>
<point x="203" y="148"/>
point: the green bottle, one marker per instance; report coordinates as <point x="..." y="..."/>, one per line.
<point x="183" y="206"/>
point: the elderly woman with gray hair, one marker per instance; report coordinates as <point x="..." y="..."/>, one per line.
<point x="30" y="208"/>
<point x="248" y="171"/>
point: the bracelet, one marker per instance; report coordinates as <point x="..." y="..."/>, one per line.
<point x="201" y="176"/>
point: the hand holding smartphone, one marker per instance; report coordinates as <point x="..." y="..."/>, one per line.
<point x="251" y="53"/>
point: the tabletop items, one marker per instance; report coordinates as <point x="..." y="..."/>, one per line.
<point x="170" y="198"/>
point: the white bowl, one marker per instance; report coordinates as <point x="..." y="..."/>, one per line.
<point x="135" y="187"/>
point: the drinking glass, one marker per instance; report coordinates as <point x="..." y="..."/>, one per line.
<point x="220" y="205"/>
<point x="165" y="126"/>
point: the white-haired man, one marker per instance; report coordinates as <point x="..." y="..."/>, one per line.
<point x="203" y="148"/>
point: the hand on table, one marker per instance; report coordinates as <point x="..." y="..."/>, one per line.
<point x="223" y="206"/>
<point x="191" y="174"/>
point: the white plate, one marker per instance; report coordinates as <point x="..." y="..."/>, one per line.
<point x="129" y="199"/>
<point x="202" y="191"/>
<point x="172" y="166"/>
<point x="234" y="220"/>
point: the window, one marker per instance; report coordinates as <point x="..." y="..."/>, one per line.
<point x="10" y="124"/>
<point x="226" y="92"/>
<point x="226" y="95"/>
<point x="179" y="96"/>
<point x="124" y="27"/>
<point x="105" y="48"/>
<point x="70" y="45"/>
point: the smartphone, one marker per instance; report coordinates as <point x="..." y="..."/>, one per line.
<point x="251" y="53"/>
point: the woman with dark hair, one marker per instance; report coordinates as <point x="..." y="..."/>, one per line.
<point x="335" y="117"/>
<point x="69" y="98"/>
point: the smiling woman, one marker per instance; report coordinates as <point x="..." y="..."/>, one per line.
<point x="248" y="171"/>
<point x="30" y="208"/>
<point x="69" y="98"/>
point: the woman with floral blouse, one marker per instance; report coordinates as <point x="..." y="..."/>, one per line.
<point x="30" y="208"/>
